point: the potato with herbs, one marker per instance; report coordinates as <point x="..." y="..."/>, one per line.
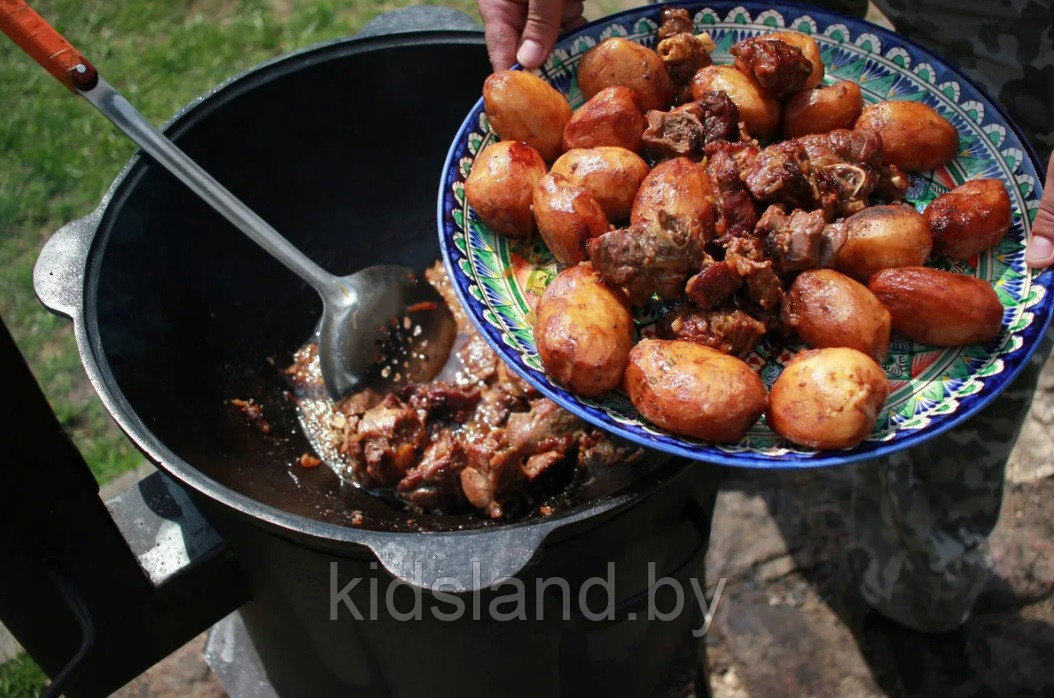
<point x="938" y="307"/>
<point x="611" y="174"/>
<point x="880" y="237"/>
<point x="972" y="217"/>
<point x="823" y="109"/>
<point x="827" y="398"/>
<point x="759" y="110"/>
<point x="567" y="215"/>
<point x="828" y="309"/>
<point x="584" y="331"/>
<point x="500" y="187"/>
<point x="807" y="45"/>
<point x="693" y="390"/>
<point x="522" y="107"/>
<point x="612" y="117"/>
<point x="677" y="194"/>
<point x="914" y="136"/>
<point x="618" y="61"/>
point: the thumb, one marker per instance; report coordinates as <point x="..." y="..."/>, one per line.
<point x="1040" y="251"/>
<point x="539" y="34"/>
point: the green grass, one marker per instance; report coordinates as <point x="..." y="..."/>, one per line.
<point x="21" y="678"/>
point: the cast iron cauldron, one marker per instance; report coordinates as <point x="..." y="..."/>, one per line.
<point x="340" y="147"/>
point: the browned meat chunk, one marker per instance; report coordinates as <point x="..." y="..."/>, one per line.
<point x="777" y="66"/>
<point x="763" y="287"/>
<point x="684" y="54"/>
<point x="645" y="259"/>
<point x="674" y="20"/>
<point x="713" y="285"/>
<point x="439" y="400"/>
<point x="531" y="443"/>
<point x="390" y="435"/>
<point x="731" y="331"/>
<point x="736" y="213"/>
<point x="801" y="240"/>
<point x="688" y="129"/>
<point x="433" y="483"/>
<point x="783" y="174"/>
<point x="850" y="162"/>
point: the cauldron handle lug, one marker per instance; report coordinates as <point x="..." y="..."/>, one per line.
<point x="462" y="562"/>
<point x="58" y="276"/>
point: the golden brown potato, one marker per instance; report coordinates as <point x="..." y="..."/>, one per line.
<point x="938" y="307"/>
<point x="618" y="61"/>
<point x="584" y="331"/>
<point x="611" y="174"/>
<point x="501" y="187"/>
<point x="831" y="310"/>
<point x="880" y="237"/>
<point x="693" y="390"/>
<point x="758" y="110"/>
<point x="612" y="117"/>
<point x="677" y="193"/>
<point x="523" y="107"/>
<point x="914" y="136"/>
<point x="971" y="217"/>
<point x="567" y="215"/>
<point x="827" y="398"/>
<point x="809" y="49"/>
<point x="822" y="110"/>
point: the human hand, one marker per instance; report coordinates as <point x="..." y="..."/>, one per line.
<point x="524" y="31"/>
<point x="1040" y="251"/>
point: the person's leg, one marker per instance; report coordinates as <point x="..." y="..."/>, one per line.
<point x="919" y="519"/>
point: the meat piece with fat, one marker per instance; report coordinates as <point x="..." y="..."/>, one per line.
<point x="780" y="68"/>
<point x="686" y="130"/>
<point x="646" y="259"/>
<point x="731" y="331"/>
<point x="800" y="240"/>
<point x="736" y="212"/>
<point x="713" y="285"/>
<point x="783" y="174"/>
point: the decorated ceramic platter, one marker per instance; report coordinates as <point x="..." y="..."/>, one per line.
<point x="931" y="389"/>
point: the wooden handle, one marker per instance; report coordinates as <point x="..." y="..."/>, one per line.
<point x="46" y="46"/>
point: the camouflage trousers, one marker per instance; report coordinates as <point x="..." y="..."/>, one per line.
<point x="920" y="518"/>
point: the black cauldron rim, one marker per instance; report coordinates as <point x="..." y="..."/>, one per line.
<point x="66" y="282"/>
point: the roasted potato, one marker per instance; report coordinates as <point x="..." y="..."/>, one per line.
<point x="522" y="107"/>
<point x="584" y="331"/>
<point x="971" y="217"/>
<point x="611" y="174"/>
<point x="758" y="110"/>
<point x="914" y="136"/>
<point x="567" y="215"/>
<point x="618" y="61"/>
<point x="678" y="194"/>
<point x="880" y="237"/>
<point x="809" y="49"/>
<point x="612" y="117"/>
<point x="828" y="309"/>
<point x="822" y="110"/>
<point x="501" y="187"/>
<point x="694" y="390"/>
<point x="938" y="307"/>
<point x="827" y="398"/>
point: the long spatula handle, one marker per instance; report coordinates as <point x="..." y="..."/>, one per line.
<point x="46" y="46"/>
